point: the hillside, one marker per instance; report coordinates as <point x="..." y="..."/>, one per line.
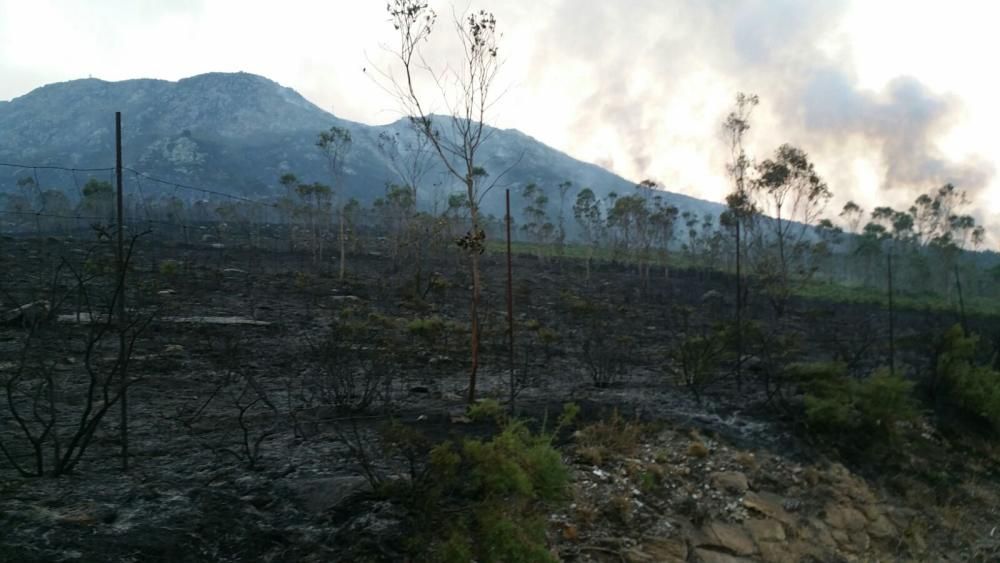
<point x="239" y="132"/>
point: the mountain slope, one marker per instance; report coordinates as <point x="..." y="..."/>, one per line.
<point x="239" y="132"/>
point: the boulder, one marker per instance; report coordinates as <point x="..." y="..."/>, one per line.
<point x="709" y="556"/>
<point x="770" y="505"/>
<point x="795" y="552"/>
<point x="321" y="495"/>
<point x="818" y="534"/>
<point x="881" y="527"/>
<point x="667" y="550"/>
<point x="712" y="297"/>
<point x="731" y="481"/>
<point x="765" y="530"/>
<point x="673" y="550"/>
<point x="845" y="518"/>
<point x="26" y="315"/>
<point x="726" y="536"/>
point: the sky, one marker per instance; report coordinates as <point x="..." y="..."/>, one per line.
<point x="890" y="98"/>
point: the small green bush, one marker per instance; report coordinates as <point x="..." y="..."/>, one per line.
<point x="615" y="435"/>
<point x="170" y="268"/>
<point x="973" y="388"/>
<point x="838" y="405"/>
<point x="429" y="328"/>
<point x="884" y="400"/>
<point x="484" y="500"/>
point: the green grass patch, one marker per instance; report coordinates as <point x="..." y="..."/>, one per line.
<point x="840" y="293"/>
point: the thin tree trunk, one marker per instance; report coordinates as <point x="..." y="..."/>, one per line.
<point x="475" y="326"/>
<point x="961" y="301"/>
<point x="739" y="313"/>
<point x="343" y="246"/>
<point x="892" y="319"/>
<point x="476" y="288"/>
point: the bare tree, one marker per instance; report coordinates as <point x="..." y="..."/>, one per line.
<point x="316" y="199"/>
<point x="736" y="126"/>
<point x="590" y="217"/>
<point x="410" y="159"/>
<point x="564" y="189"/>
<point x="53" y="434"/>
<point x="468" y="93"/>
<point x="336" y="144"/>
<point x="286" y="205"/>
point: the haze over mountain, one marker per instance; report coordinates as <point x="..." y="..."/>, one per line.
<point x="237" y="133"/>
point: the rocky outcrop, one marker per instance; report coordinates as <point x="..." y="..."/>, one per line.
<point x="733" y="506"/>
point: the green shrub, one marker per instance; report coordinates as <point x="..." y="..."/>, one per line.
<point x="836" y="404"/>
<point x="485" y="500"/>
<point x="429" y="329"/>
<point x="693" y="358"/>
<point x="614" y="436"/>
<point x="170" y="268"/>
<point x="973" y="388"/>
<point x="547" y="336"/>
<point x="884" y="400"/>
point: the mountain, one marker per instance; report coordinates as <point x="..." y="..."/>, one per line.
<point x="238" y="133"/>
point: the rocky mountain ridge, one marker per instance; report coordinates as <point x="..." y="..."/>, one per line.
<point x="238" y="133"/>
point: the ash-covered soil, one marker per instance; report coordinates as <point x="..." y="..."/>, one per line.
<point x="236" y="453"/>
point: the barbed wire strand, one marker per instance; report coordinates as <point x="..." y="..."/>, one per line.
<point x="54" y="167"/>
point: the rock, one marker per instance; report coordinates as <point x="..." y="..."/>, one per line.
<point x="819" y="534"/>
<point x="902" y="517"/>
<point x="882" y="528"/>
<point x="636" y="555"/>
<point x="841" y="537"/>
<point x="711" y="297"/>
<point x="871" y="511"/>
<point x="709" y="556"/>
<point x="770" y="505"/>
<point x="380" y="522"/>
<point x="320" y="495"/>
<point x="765" y="530"/>
<point x="89" y="515"/>
<point x="857" y="542"/>
<point x="667" y="550"/>
<point x="781" y="552"/>
<point x="729" y="537"/>
<point x="213" y="320"/>
<point x="845" y="518"/>
<point x="257" y="501"/>
<point x="26" y="315"/>
<point x="792" y="505"/>
<point x="732" y="481"/>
